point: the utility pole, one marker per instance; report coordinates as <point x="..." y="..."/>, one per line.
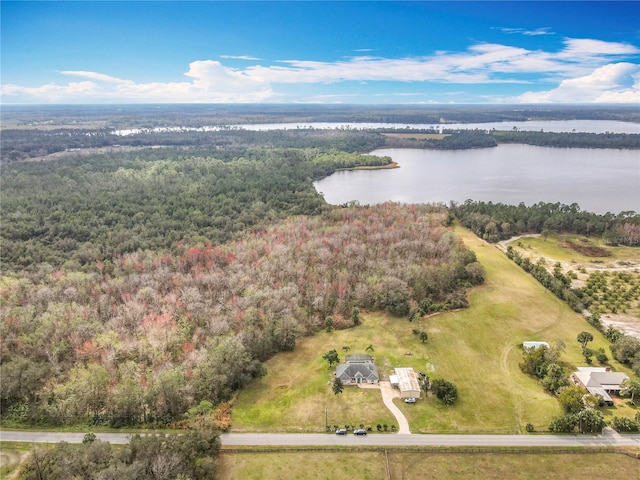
<point x="326" y="419"/>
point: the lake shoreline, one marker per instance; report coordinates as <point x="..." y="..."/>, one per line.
<point x="388" y="166"/>
<point x="598" y="180"/>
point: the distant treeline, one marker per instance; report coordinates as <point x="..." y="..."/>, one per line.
<point x="497" y="221"/>
<point x="149" y="116"/>
<point x="569" y="139"/>
<point x="22" y="144"/>
<point x="464" y="139"/>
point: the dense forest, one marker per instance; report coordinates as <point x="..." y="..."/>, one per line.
<point x="85" y="209"/>
<point x="22" y="144"/>
<point x="497" y="221"/>
<point x="146" y="335"/>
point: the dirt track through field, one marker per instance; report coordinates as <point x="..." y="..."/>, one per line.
<point x="11" y="458"/>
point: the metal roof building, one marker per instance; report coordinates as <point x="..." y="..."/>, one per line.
<point x="408" y="383"/>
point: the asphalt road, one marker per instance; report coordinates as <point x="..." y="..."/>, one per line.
<point x="608" y="439"/>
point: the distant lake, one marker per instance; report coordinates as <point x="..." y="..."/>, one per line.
<point x="599" y="180"/>
<point x="588" y="126"/>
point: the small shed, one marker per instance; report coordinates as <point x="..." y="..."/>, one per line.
<point x="533" y="345"/>
<point x="408" y="383"/>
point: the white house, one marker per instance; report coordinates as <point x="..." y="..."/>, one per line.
<point x="599" y="381"/>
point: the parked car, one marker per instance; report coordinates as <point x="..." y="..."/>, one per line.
<point x="410" y="400"/>
<point x="341" y="431"/>
<point x="360" y="431"/>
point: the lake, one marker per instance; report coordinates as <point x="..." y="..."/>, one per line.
<point x="588" y="126"/>
<point x="599" y="180"/>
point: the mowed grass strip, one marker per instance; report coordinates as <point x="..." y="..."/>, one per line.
<point x="314" y="465"/>
<point x="475" y="348"/>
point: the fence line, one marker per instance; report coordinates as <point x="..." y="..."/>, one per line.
<point x="386" y="457"/>
<point x="436" y="450"/>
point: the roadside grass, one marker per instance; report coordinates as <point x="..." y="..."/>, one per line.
<point x="312" y="465"/>
<point x="476" y="348"/>
<point x="85" y="427"/>
<point x="410" y="466"/>
<point x="307" y="465"/>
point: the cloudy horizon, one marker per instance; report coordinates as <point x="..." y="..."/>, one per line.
<point x="489" y="59"/>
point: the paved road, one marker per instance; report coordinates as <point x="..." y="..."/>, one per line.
<point x="386" y="440"/>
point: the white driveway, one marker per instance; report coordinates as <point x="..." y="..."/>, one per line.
<point x="388" y="394"/>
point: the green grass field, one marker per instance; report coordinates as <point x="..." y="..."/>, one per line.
<point x="475" y="348"/>
<point x="423" y="465"/>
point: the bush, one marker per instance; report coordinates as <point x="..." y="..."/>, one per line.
<point x="445" y="391"/>
<point x="623" y="424"/>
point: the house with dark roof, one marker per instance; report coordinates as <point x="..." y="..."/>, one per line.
<point x="357" y="368"/>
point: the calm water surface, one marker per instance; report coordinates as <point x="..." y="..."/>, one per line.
<point x="599" y="180"/>
<point x="589" y="126"/>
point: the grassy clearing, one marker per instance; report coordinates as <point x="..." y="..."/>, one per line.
<point x="422" y="465"/>
<point x="418" y="136"/>
<point x="475" y="348"/>
<point x="371" y="167"/>
<point x="616" y="298"/>
<point x="555" y="247"/>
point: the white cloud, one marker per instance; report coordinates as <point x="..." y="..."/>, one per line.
<point x="613" y="83"/>
<point x="240" y="57"/>
<point x="101" y="77"/>
<point x="524" y="31"/>
<point x="578" y="48"/>
<point x="583" y="72"/>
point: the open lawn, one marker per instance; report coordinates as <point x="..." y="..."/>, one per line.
<point x="476" y="348"/>
<point x="421" y="465"/>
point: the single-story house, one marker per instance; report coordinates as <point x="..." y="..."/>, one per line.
<point x="599" y="381"/>
<point x="406" y="380"/>
<point x="533" y="345"/>
<point x="358" y="368"/>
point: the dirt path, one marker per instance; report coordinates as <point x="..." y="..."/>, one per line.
<point x="12" y="459"/>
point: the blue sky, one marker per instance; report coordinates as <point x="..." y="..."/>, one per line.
<point x="320" y="52"/>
